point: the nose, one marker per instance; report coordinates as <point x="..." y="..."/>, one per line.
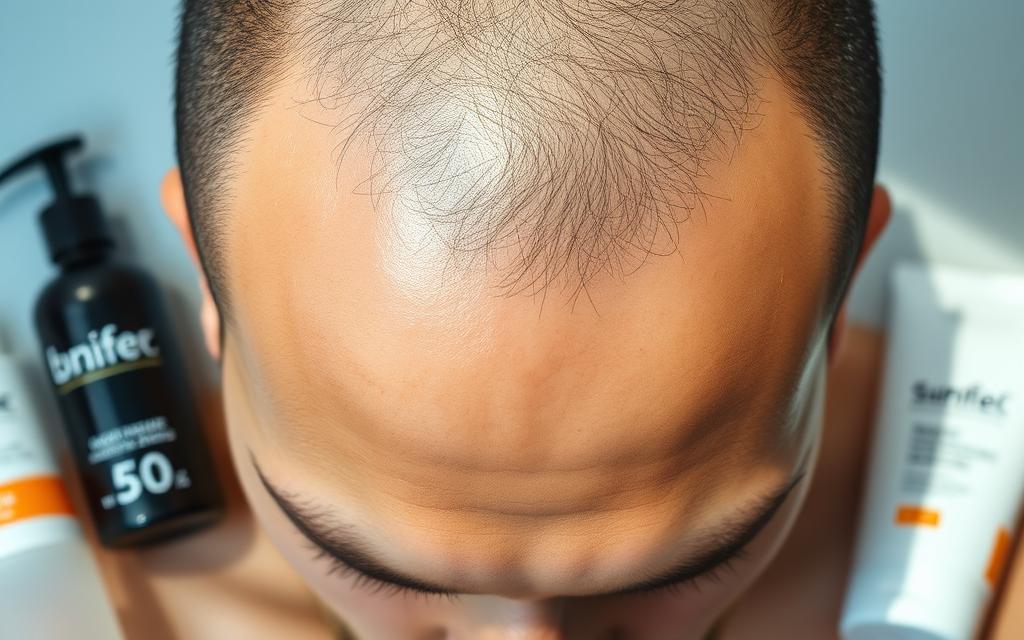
<point x="522" y="620"/>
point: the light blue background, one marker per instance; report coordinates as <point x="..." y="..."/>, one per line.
<point x="951" y="152"/>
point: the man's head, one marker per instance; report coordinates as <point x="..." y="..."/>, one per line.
<point x="526" y="300"/>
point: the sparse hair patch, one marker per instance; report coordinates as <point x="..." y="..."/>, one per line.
<point x="569" y="135"/>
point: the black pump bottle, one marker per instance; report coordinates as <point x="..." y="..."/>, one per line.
<point x="118" y="377"/>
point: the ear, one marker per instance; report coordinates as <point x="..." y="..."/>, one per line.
<point x="172" y="196"/>
<point x="878" y="220"/>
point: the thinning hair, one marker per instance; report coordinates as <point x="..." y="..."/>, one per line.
<point x="569" y="134"/>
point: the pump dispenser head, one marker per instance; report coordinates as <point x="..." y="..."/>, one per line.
<point x="72" y="225"/>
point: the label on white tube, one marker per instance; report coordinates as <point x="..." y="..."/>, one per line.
<point x="946" y="472"/>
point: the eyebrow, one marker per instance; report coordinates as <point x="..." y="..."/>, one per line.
<point x="343" y="544"/>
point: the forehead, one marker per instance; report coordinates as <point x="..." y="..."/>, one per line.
<point x="359" y="350"/>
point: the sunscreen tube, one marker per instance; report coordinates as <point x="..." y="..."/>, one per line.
<point x="50" y="587"/>
<point x="946" y="469"/>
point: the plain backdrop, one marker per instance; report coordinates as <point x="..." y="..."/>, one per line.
<point x="951" y="143"/>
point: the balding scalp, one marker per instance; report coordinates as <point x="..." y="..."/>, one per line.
<point x="569" y="138"/>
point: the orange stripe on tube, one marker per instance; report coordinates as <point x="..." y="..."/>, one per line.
<point x="1000" y="554"/>
<point x="910" y="515"/>
<point x="31" y="497"/>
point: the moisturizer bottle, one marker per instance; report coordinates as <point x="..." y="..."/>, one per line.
<point x="946" y="472"/>
<point x="49" y="585"/>
<point x="118" y="378"/>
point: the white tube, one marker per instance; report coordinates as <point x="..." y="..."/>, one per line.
<point x="946" y="471"/>
<point x="50" y="587"/>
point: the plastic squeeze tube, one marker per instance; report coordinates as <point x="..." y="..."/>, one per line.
<point x="49" y="585"/>
<point x="946" y="471"/>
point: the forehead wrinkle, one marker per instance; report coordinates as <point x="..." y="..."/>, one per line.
<point x="415" y="486"/>
<point x="717" y="437"/>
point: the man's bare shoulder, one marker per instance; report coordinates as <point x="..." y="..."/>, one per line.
<point x="800" y="595"/>
<point x="225" y="582"/>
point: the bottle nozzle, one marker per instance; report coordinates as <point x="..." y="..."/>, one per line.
<point x="71" y="223"/>
<point x="52" y="157"/>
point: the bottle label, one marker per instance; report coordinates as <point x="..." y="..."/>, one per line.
<point x="143" y="471"/>
<point x="106" y="352"/>
<point x="130" y="422"/>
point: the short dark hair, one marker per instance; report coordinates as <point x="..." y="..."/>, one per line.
<point x="608" y="110"/>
